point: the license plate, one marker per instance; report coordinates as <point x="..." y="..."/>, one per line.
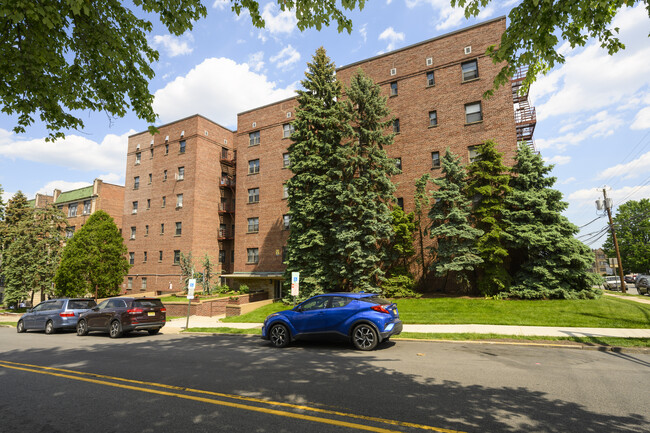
<point x="151" y="313"/>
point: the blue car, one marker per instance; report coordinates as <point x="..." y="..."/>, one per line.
<point x="55" y="314"/>
<point x="365" y="318"/>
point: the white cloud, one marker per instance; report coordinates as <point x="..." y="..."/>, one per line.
<point x="221" y="4"/>
<point x="217" y="88"/>
<point x="642" y="119"/>
<point x="591" y="79"/>
<point x="392" y="37"/>
<point x="588" y="197"/>
<point x="174" y="46"/>
<point x="446" y="16"/>
<point x="256" y="61"/>
<point x="558" y="159"/>
<point x="639" y="167"/>
<point x="568" y="181"/>
<point x="601" y="124"/>
<point x="286" y="58"/>
<point x="277" y="21"/>
<point x="363" y="31"/>
<point x="62" y="185"/>
<point x="74" y="152"/>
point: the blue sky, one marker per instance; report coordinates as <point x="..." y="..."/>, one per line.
<point x="593" y="112"/>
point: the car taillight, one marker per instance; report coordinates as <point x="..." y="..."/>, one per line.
<point x="163" y="310"/>
<point x="66" y="314"/>
<point x="380" y="309"/>
<point x="135" y="311"/>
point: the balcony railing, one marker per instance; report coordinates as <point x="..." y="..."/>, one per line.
<point x="225" y="234"/>
<point x="226" y="207"/>
<point x="227" y="182"/>
<point x="228" y="157"/>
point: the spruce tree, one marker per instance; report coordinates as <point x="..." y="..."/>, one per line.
<point x="400" y="250"/>
<point x="547" y="261"/>
<point x="362" y="189"/>
<point x="315" y="154"/>
<point x="422" y="205"/>
<point x="456" y="256"/>
<point x="94" y="260"/>
<point x="488" y="186"/>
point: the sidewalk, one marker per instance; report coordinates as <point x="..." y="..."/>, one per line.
<point x="177" y="325"/>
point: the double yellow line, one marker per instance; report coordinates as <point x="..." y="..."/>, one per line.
<point x="104" y="380"/>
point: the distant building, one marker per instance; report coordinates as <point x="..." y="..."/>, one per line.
<point x="600" y="265"/>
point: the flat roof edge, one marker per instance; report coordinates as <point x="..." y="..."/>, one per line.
<point x="182" y="120"/>
<point x="267" y="105"/>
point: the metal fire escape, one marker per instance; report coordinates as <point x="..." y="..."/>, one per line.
<point x="525" y="117"/>
<point x="228" y="159"/>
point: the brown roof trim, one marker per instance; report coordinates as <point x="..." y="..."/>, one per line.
<point x="184" y="119"/>
<point x="268" y="105"/>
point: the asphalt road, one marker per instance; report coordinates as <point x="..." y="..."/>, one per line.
<point x="196" y="383"/>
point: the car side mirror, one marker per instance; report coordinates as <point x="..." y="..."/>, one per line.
<point x="31" y="310"/>
<point x="298" y="309"/>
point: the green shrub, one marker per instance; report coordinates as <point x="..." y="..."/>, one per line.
<point x="243" y="289"/>
<point x="400" y="286"/>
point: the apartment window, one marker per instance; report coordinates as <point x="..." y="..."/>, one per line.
<point x="164" y="201"/>
<point x="398" y="163"/>
<point x="144" y="283"/>
<point x="254" y="195"/>
<point x="131" y="258"/>
<point x="144" y="257"/>
<point x="181" y="173"/>
<point x="146" y="230"/>
<point x="284" y="254"/>
<point x="148" y="203"/>
<point x="435" y="159"/>
<point x="393" y="88"/>
<point x="166" y="149"/>
<point x="286" y="221"/>
<point x="69" y="232"/>
<point x="87" y="207"/>
<point x="396" y="126"/>
<point x="132" y="232"/>
<point x="430" y="79"/>
<point x="470" y="70"/>
<point x="129" y="284"/>
<point x="285" y="160"/>
<point x="254" y="166"/>
<point x="179" y="228"/>
<point x="179" y="200"/>
<point x="181" y="146"/>
<point x="162" y="228"/>
<point x="164" y="175"/>
<point x="400" y="202"/>
<point x="473" y="112"/>
<point x="138" y="158"/>
<point x="287" y="130"/>
<point x="253" y="255"/>
<point x="72" y="210"/>
<point x="177" y="257"/>
<point x="433" y="118"/>
<point x="160" y="256"/>
<point x="473" y="153"/>
<point x="150" y="153"/>
<point x="222" y="256"/>
<point x="150" y="178"/>
<point x="136" y="182"/>
<point x="254" y="138"/>
<point x="285" y="191"/>
<point x="134" y="208"/>
<point x="253" y="225"/>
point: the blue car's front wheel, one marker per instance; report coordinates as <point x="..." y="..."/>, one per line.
<point x="364" y="337"/>
<point x="279" y="335"/>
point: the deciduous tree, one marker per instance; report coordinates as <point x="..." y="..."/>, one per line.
<point x="632" y="223"/>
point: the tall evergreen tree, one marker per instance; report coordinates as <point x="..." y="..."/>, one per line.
<point x="547" y="261"/>
<point x="400" y="250"/>
<point x="94" y="260"/>
<point x="34" y="254"/>
<point x="16" y="210"/>
<point x="362" y="188"/>
<point x="422" y="203"/>
<point x="488" y="186"/>
<point x="456" y="256"/>
<point x="315" y="154"/>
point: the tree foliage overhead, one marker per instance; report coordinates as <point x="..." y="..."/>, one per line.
<point x="546" y="259"/>
<point x="530" y="39"/>
<point x="33" y="254"/>
<point x="94" y="260"/>
<point x="456" y="256"/>
<point x="487" y="187"/>
<point x="61" y="56"/>
<point x="632" y="224"/>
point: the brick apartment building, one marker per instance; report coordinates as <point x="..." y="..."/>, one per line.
<point x="179" y="197"/>
<point x="434" y="90"/>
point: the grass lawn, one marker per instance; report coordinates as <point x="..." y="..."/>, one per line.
<point x="253" y="331"/>
<point x="606" y="312"/>
<point x="258" y="316"/>
<point x="8" y="323"/>
<point x="603" y="341"/>
<point x="15" y="310"/>
<point x="184" y="299"/>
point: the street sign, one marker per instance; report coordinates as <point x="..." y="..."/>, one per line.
<point x="191" y="285"/>
<point x="295" y="283"/>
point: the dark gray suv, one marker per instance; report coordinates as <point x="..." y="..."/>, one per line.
<point x="55" y="314"/>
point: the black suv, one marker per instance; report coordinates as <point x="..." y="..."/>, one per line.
<point x="121" y="315"/>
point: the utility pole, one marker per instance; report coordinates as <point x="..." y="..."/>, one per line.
<point x="608" y="207"/>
